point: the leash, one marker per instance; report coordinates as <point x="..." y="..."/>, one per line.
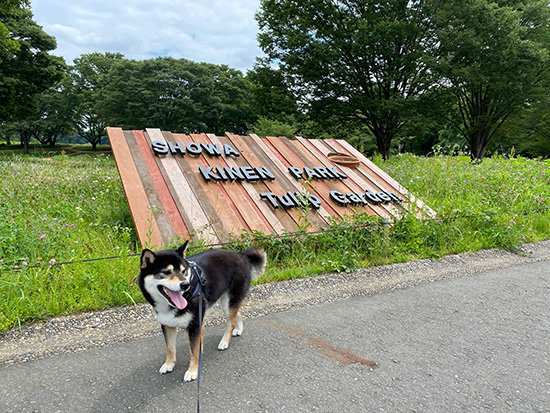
<point x="200" y="353"/>
<point x="198" y="278"/>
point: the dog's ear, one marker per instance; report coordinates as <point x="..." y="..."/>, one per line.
<point x="147" y="258"/>
<point x="181" y="250"/>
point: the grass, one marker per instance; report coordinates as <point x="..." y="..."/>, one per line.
<point x="59" y="207"/>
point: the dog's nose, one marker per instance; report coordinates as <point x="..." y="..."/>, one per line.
<point x="184" y="285"/>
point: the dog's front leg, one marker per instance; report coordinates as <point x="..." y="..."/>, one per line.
<point x="195" y="340"/>
<point x="170" y="334"/>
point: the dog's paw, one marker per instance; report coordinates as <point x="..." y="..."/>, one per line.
<point x="237" y="331"/>
<point x="166" y="368"/>
<point x="224" y="345"/>
<point x="190" y="375"/>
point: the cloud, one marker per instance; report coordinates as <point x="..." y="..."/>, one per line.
<point x="220" y="32"/>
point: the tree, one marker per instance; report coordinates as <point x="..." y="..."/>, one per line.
<point x="528" y="131"/>
<point x="87" y="82"/>
<point x="178" y="95"/>
<point x="269" y="93"/>
<point x="9" y="8"/>
<point x="358" y="60"/>
<point x="27" y="72"/>
<point x="268" y="127"/>
<point x="493" y="56"/>
<point x="54" y="116"/>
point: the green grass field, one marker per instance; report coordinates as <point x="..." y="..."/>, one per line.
<point x="59" y="207"/>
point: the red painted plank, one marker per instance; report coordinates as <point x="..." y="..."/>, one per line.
<point x="206" y="198"/>
<point x="289" y="218"/>
<point x="321" y="147"/>
<point x="164" y="224"/>
<point x="217" y="199"/>
<point x="251" y="190"/>
<point x="239" y="197"/>
<point x="319" y="188"/>
<point x="322" y="217"/>
<point x="182" y="190"/>
<point x="385" y="179"/>
<point x="160" y="185"/>
<point x="146" y="227"/>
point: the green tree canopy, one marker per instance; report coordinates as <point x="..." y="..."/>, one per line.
<point x="87" y="82"/>
<point x="493" y="56"/>
<point x="27" y="72"/>
<point x="269" y="93"/>
<point x="54" y="118"/>
<point x="178" y="95"/>
<point x="358" y="60"/>
<point x="9" y="44"/>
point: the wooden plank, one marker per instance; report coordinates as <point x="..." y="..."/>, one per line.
<point x="176" y="230"/>
<point x="189" y="167"/>
<point x="319" y="188"/>
<point x="253" y="190"/>
<point x="340" y="185"/>
<point x="240" y="200"/>
<point x="146" y="226"/>
<point x="357" y="176"/>
<point x="288" y="219"/>
<point x="182" y="190"/>
<point x="281" y="164"/>
<point x="364" y="172"/>
<point x="354" y="183"/>
<point x="245" y="187"/>
<point x="385" y="178"/>
<point x="147" y="181"/>
<point x="365" y="167"/>
<point x="322" y="217"/>
<point x="222" y="202"/>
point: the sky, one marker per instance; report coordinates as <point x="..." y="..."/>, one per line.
<point x="212" y="31"/>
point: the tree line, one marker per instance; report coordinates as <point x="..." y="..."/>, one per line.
<point x="388" y="76"/>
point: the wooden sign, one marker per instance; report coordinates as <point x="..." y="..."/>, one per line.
<point x="212" y="188"/>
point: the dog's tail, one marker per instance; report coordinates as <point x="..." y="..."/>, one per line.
<point x="258" y="259"/>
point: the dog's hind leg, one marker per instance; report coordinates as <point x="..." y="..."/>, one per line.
<point x="170" y="334"/>
<point x="234" y="319"/>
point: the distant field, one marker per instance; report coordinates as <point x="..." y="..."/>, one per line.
<point x="69" y="206"/>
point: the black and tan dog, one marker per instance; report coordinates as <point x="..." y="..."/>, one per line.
<point x="165" y="280"/>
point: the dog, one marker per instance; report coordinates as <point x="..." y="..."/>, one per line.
<point x="168" y="283"/>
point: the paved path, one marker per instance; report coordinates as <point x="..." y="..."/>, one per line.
<point x="474" y="343"/>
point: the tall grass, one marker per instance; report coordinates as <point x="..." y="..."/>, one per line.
<point x="59" y="208"/>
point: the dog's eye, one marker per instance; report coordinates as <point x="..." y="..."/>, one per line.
<point x="166" y="272"/>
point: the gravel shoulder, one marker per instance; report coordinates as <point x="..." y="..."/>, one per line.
<point x="96" y="329"/>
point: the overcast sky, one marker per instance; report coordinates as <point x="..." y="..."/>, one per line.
<point x="213" y="31"/>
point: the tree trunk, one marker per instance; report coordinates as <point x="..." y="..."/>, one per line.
<point x="478" y="146"/>
<point x="25" y="141"/>
<point x="383" y="142"/>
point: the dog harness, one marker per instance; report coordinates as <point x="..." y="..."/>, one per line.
<point x="197" y="282"/>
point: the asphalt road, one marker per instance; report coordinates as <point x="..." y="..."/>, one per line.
<point x="476" y="343"/>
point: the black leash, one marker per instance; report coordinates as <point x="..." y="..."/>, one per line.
<point x="200" y="354"/>
<point x="197" y="278"/>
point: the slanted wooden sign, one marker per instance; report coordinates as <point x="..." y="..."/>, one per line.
<point x="212" y="188"/>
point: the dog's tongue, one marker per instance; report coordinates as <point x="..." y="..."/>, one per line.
<point x="177" y="298"/>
